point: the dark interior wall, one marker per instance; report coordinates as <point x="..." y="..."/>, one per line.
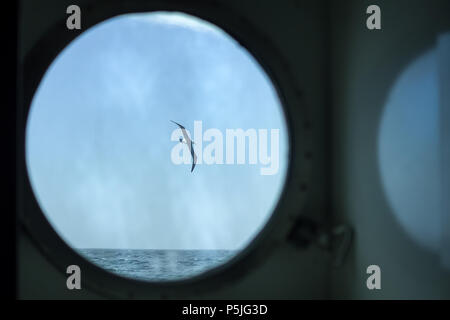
<point x="298" y="30"/>
<point x="365" y="65"/>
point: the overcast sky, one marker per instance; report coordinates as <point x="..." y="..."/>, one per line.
<point x="98" y="137"/>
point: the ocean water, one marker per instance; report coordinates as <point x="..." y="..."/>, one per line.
<point x="157" y="265"/>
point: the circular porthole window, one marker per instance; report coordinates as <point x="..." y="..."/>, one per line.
<point x="156" y="146"/>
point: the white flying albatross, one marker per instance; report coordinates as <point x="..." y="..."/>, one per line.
<point x="189" y="143"/>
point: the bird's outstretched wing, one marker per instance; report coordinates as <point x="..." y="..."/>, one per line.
<point x="185" y="135"/>
<point x="194" y="156"/>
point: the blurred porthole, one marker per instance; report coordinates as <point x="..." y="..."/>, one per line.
<point x="112" y="172"/>
<point x="413" y="149"/>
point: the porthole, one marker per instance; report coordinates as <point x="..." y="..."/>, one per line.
<point x="111" y="182"/>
